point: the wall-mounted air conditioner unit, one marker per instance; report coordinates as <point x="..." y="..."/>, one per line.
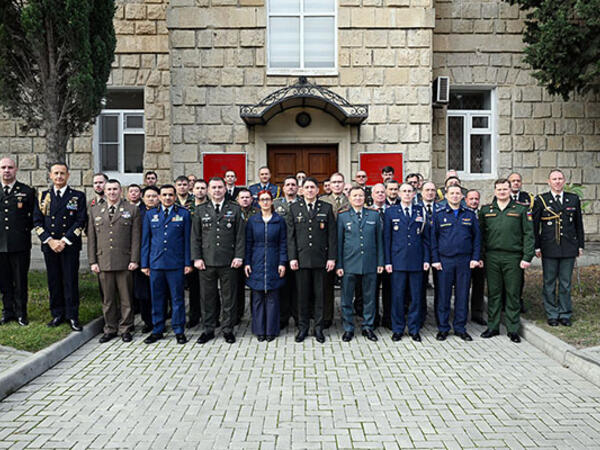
<point x="441" y="91"/>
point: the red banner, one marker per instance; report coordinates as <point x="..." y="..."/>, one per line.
<point x="372" y="163"/>
<point x="216" y="164"/>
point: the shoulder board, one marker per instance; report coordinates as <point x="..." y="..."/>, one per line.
<point x="343" y="210"/>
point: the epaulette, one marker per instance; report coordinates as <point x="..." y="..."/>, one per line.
<point x="345" y="209"/>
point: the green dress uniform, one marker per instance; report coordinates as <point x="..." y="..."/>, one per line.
<point x="507" y="239"/>
<point x="218" y="237"/>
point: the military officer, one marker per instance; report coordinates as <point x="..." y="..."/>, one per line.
<point x="507" y="241"/>
<point x="359" y="260"/>
<point x="559" y="239"/>
<point x="477" y="273"/>
<point x="430" y="207"/>
<point x="218" y="245"/>
<point x="114" y="235"/>
<point x="184" y="197"/>
<point x="59" y="217"/>
<point x="288" y="301"/>
<point x="264" y="175"/>
<point x="165" y="258"/>
<point x="338" y="202"/>
<point x="98" y="182"/>
<point x="406" y="237"/>
<point x="312" y="249"/>
<point x="231" y="190"/>
<point x="16" y="221"/>
<point x="455" y="248"/>
<point x="244" y="200"/>
<point x="383" y="279"/>
<point x="360" y="180"/>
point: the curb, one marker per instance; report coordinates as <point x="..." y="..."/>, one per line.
<point x="565" y="354"/>
<point x="40" y="362"/>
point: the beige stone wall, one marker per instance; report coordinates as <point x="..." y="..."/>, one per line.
<point x="141" y="60"/>
<point x="479" y="43"/>
<point x="219" y="62"/>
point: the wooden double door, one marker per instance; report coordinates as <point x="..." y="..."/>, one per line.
<point x="317" y="160"/>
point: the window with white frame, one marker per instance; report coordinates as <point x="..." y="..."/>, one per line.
<point x="301" y="36"/>
<point x="119" y="135"/>
<point x="470" y="133"/>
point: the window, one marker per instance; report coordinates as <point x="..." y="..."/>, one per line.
<point x="470" y="134"/>
<point x="301" y="37"/>
<point x="119" y="135"/>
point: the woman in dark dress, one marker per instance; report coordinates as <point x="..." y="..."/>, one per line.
<point x="266" y="257"/>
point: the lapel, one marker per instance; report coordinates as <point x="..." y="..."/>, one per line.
<point x="56" y="204"/>
<point x="553" y="204"/>
<point x="163" y="219"/>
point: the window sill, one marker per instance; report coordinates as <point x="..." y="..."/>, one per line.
<point x="303" y="72"/>
<point x="126" y="178"/>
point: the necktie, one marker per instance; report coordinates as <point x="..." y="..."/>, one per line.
<point x="338" y="201"/>
<point x="166" y="211"/>
<point x="381" y="210"/>
<point x="359" y="215"/>
<point x="111" y="212"/>
<point x="558" y="200"/>
<point x="310" y="208"/>
<point x="515" y="197"/>
<point x="6" y="190"/>
<point x="429" y="211"/>
<point x="218" y="208"/>
<point x="58" y="195"/>
<point x="406" y="212"/>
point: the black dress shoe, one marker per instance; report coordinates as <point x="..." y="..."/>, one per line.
<point x="489" y="333"/>
<point x="55" y="322"/>
<point x="514" y="337"/>
<point x="347" y="336"/>
<point x="126" y="337"/>
<point x="181" y="339"/>
<point x="464" y="336"/>
<point x="301" y="335"/>
<point x="153" y="338"/>
<point x="229" y="338"/>
<point x="75" y="326"/>
<point x="416" y="337"/>
<point x="192" y="323"/>
<point x="370" y="335"/>
<point x="479" y="321"/>
<point x="107" y="337"/>
<point x="553" y="322"/>
<point x="205" y="337"/>
<point x="396" y="337"/>
<point x="270" y="337"/>
<point x="319" y="336"/>
<point x="565" y="322"/>
<point x="5" y="320"/>
<point x="23" y="321"/>
<point x="441" y="336"/>
<point x="261" y="337"/>
<point x="147" y="329"/>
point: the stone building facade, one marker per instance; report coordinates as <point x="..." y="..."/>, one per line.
<point x="194" y="63"/>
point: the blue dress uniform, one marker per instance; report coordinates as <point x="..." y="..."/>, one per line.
<point x="455" y="242"/>
<point x="166" y="251"/>
<point x="360" y="252"/>
<point x="407" y="247"/>
<point x="257" y="187"/>
<point x="61" y="218"/>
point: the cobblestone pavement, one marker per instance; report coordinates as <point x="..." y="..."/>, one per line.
<point x="9" y="357"/>
<point x="258" y="395"/>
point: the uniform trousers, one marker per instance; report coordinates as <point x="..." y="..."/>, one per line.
<point x="141" y="296"/>
<point x="368" y="282"/>
<point x="434" y="274"/>
<point x="13" y="279"/>
<point x="384" y="283"/>
<point x="209" y="297"/>
<point x="329" y="298"/>
<point x="400" y="281"/>
<point x="477" y="291"/>
<point x="311" y="296"/>
<point x="265" y="312"/>
<point x="241" y="295"/>
<point x="118" y="315"/>
<point x="502" y="271"/>
<point x="455" y="273"/>
<point x="288" y="298"/>
<point x="163" y="283"/>
<point x="62" y="270"/>
<point x="193" y="284"/>
<point x="561" y="270"/>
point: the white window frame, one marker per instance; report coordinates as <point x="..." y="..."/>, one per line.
<point x="301" y="71"/>
<point x="468" y="130"/>
<point x="124" y="178"/>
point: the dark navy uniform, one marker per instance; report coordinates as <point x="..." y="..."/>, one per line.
<point x="257" y="187"/>
<point x="62" y="218"/>
<point x="312" y="241"/>
<point x="407" y="248"/>
<point x="141" y="287"/>
<point x="455" y="242"/>
<point x="166" y="252"/>
<point x="558" y="231"/>
<point x="429" y="209"/>
<point x="360" y="252"/>
<point x="16" y="222"/>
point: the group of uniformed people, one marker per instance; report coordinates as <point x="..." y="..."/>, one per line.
<point x="149" y="244"/>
